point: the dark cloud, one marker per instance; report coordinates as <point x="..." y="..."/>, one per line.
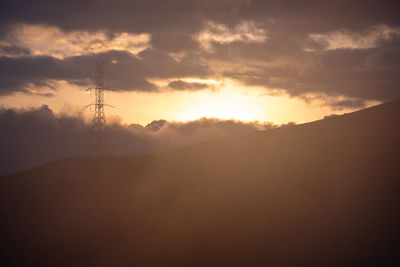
<point x="14" y="51"/>
<point x="174" y="41"/>
<point x="131" y="73"/>
<point x="314" y="15"/>
<point x="121" y="15"/>
<point x="34" y="136"/>
<point x="181" y="85"/>
<point x="156" y="125"/>
<point x="19" y="73"/>
<point x="368" y="74"/>
<point x="183" y="15"/>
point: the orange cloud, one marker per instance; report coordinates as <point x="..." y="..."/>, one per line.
<point x="51" y="41"/>
<point x="245" y="31"/>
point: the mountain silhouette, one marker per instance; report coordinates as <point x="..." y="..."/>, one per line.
<point x="325" y="193"/>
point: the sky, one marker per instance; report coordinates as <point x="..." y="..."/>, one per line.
<point x="248" y="60"/>
<point x="183" y="71"/>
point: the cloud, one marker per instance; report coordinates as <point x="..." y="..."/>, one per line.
<point x="132" y="73"/>
<point x="339" y="102"/>
<point x="245" y="31"/>
<point x="10" y="50"/>
<point x="366" y="74"/>
<point x="345" y="39"/>
<point x="182" y="15"/>
<point x="43" y="40"/>
<point x="191" y="86"/>
<point x="142" y="16"/>
<point x="296" y="47"/>
<point x="34" y="136"/>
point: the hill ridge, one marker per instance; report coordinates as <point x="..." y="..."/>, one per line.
<point x="324" y="193"/>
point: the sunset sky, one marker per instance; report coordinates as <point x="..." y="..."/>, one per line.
<point x="226" y="133"/>
<point x="272" y="61"/>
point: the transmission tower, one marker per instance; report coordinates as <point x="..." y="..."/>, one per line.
<point x="98" y="136"/>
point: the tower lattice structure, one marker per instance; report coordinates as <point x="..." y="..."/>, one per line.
<point x="98" y="139"/>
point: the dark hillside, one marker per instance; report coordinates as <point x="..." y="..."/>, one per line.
<point x="325" y="193"/>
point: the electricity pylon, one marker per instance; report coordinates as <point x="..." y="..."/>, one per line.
<point x="98" y="136"/>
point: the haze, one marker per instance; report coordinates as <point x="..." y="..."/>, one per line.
<point x="236" y="133"/>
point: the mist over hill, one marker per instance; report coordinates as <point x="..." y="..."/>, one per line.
<point x="324" y="193"/>
<point x="35" y="136"/>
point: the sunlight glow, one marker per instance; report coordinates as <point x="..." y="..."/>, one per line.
<point x="229" y="100"/>
<point x="228" y="103"/>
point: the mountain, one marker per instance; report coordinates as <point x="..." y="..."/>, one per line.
<point x="325" y="193"/>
